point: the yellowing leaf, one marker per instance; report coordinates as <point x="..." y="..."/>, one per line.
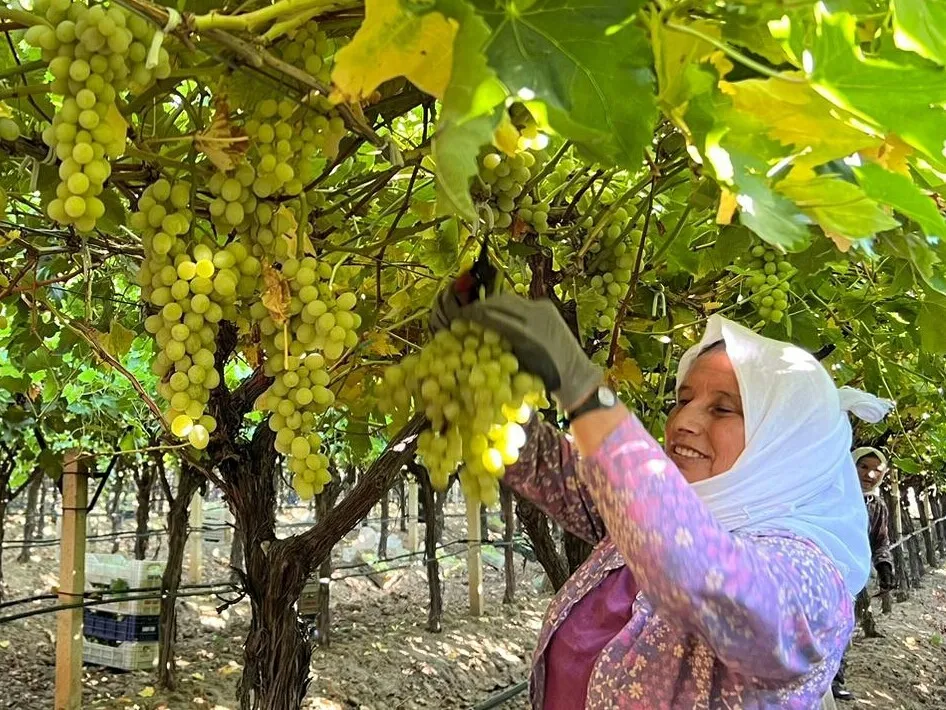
<point x="4" y="644"/>
<point x="222" y="142"/>
<point x="288" y="217"/>
<point x="625" y="371"/>
<point x="673" y="52"/>
<point x="395" y="41"/>
<point x="276" y="294"/>
<point x="381" y="344"/>
<point x="146" y="692"/>
<point x="506" y="136"/>
<point x="5" y="111"/>
<point x="892" y="154"/>
<point x="840" y="207"/>
<point x="117" y="341"/>
<point x="197" y="676"/>
<point x="728" y="201"/>
<point x="114" y="120"/>
<point x="795" y="114"/>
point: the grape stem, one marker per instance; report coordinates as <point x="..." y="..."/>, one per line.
<point x="248" y="21"/>
<point x="22" y="17"/>
<point x="82" y="331"/>
<point x="15" y="69"/>
<point x="635" y="277"/>
<point x="25" y="90"/>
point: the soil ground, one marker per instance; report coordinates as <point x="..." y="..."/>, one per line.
<point x="382" y="658"/>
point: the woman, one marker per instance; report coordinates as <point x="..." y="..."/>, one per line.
<point x="726" y="562"/>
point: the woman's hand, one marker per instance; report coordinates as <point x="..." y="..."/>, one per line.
<point x="540" y="339"/>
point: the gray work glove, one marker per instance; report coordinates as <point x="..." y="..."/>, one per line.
<point x="540" y="339"/>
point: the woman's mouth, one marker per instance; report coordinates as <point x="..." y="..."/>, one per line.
<point x="685" y="452"/>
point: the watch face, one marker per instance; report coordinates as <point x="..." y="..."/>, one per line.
<point x="606" y="396"/>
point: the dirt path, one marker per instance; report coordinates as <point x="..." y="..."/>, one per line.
<point x="906" y="669"/>
<point x="381" y="658"/>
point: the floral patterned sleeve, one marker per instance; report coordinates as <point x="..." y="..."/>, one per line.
<point x="546" y="473"/>
<point x="771" y="607"/>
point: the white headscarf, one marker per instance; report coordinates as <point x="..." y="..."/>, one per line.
<point x="796" y="472"/>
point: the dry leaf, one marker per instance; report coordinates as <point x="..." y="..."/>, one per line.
<point x="840" y="241"/>
<point x="395" y="41"/>
<point x="727" y="206"/>
<point x="4" y="644"/>
<point x="276" y="294"/>
<point x="146" y="692"/>
<point x="222" y="142"/>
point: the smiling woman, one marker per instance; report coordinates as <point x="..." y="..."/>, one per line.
<point x="705" y="430"/>
<point x="725" y="566"/>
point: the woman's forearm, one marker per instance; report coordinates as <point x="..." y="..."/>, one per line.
<point x="591" y="429"/>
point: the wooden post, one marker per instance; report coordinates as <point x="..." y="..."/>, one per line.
<point x="474" y="557"/>
<point x="926" y="522"/>
<point x="509" y="562"/>
<point x="196" y="540"/>
<point x="75" y="501"/>
<point x="412" y="512"/>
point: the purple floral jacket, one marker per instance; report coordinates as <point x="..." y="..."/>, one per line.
<point x="723" y="620"/>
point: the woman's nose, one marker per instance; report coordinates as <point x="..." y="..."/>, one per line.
<point x="688" y="420"/>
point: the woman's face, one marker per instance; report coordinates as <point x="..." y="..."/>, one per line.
<point x="705" y="431"/>
<point x="870" y="471"/>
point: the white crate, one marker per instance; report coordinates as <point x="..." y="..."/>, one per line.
<point x="127" y="656"/>
<point x="137" y="574"/>
<point x="216" y="517"/>
<point x="102" y="570"/>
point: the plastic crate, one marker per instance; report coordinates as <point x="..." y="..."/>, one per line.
<point x="215" y="523"/>
<point x="127" y="656"/>
<point x="103" y="571"/>
<point x="106" y="626"/>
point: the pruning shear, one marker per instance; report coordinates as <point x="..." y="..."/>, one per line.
<point x="479" y="281"/>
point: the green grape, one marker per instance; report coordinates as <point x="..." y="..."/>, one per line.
<point x="467" y="382"/>
<point x="94" y="56"/>
<point x="768" y="281"/>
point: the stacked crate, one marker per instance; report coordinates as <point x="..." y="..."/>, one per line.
<point x="123" y="633"/>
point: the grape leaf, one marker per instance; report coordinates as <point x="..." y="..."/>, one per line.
<point x="905" y="99"/>
<point x="674" y="50"/>
<point x="903" y="195"/>
<point x="796" y="115"/>
<point x="117" y="341"/>
<point x="838" y="206"/>
<point x="586" y="63"/>
<point x="920" y="26"/>
<point x="469" y="113"/>
<point x="222" y="142"/>
<point x="735" y="147"/>
<point x="393" y="41"/>
<point x="929" y="322"/>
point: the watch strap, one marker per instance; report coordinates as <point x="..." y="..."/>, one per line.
<point x="593" y="402"/>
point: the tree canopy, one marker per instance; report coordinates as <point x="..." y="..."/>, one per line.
<point x="176" y="179"/>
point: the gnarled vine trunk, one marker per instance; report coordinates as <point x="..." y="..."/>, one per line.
<point x="32" y="514"/>
<point x="536" y="525"/>
<point x="177" y="520"/>
<point x="144" y="481"/>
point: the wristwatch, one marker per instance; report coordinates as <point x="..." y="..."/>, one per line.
<point x="602" y="398"/>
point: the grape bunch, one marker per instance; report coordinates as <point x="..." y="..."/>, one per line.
<point x="469" y="386"/>
<point x="504" y="177"/>
<point x="610" y="261"/>
<point x="94" y="54"/>
<point x="535" y="214"/>
<point x="768" y="280"/>
<point x="193" y="285"/>
<point x="310" y="330"/>
<point x="233" y="198"/>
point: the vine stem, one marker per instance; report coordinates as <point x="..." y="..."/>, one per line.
<point x="735" y="54"/>
<point x="22" y="17"/>
<point x="26" y="90"/>
<point x="247" y="21"/>
<point x="15" y="69"/>
<point x="82" y="331"/>
<point x="635" y="277"/>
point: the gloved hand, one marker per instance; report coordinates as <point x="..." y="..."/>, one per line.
<point x="885" y="574"/>
<point x="540" y="339"/>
